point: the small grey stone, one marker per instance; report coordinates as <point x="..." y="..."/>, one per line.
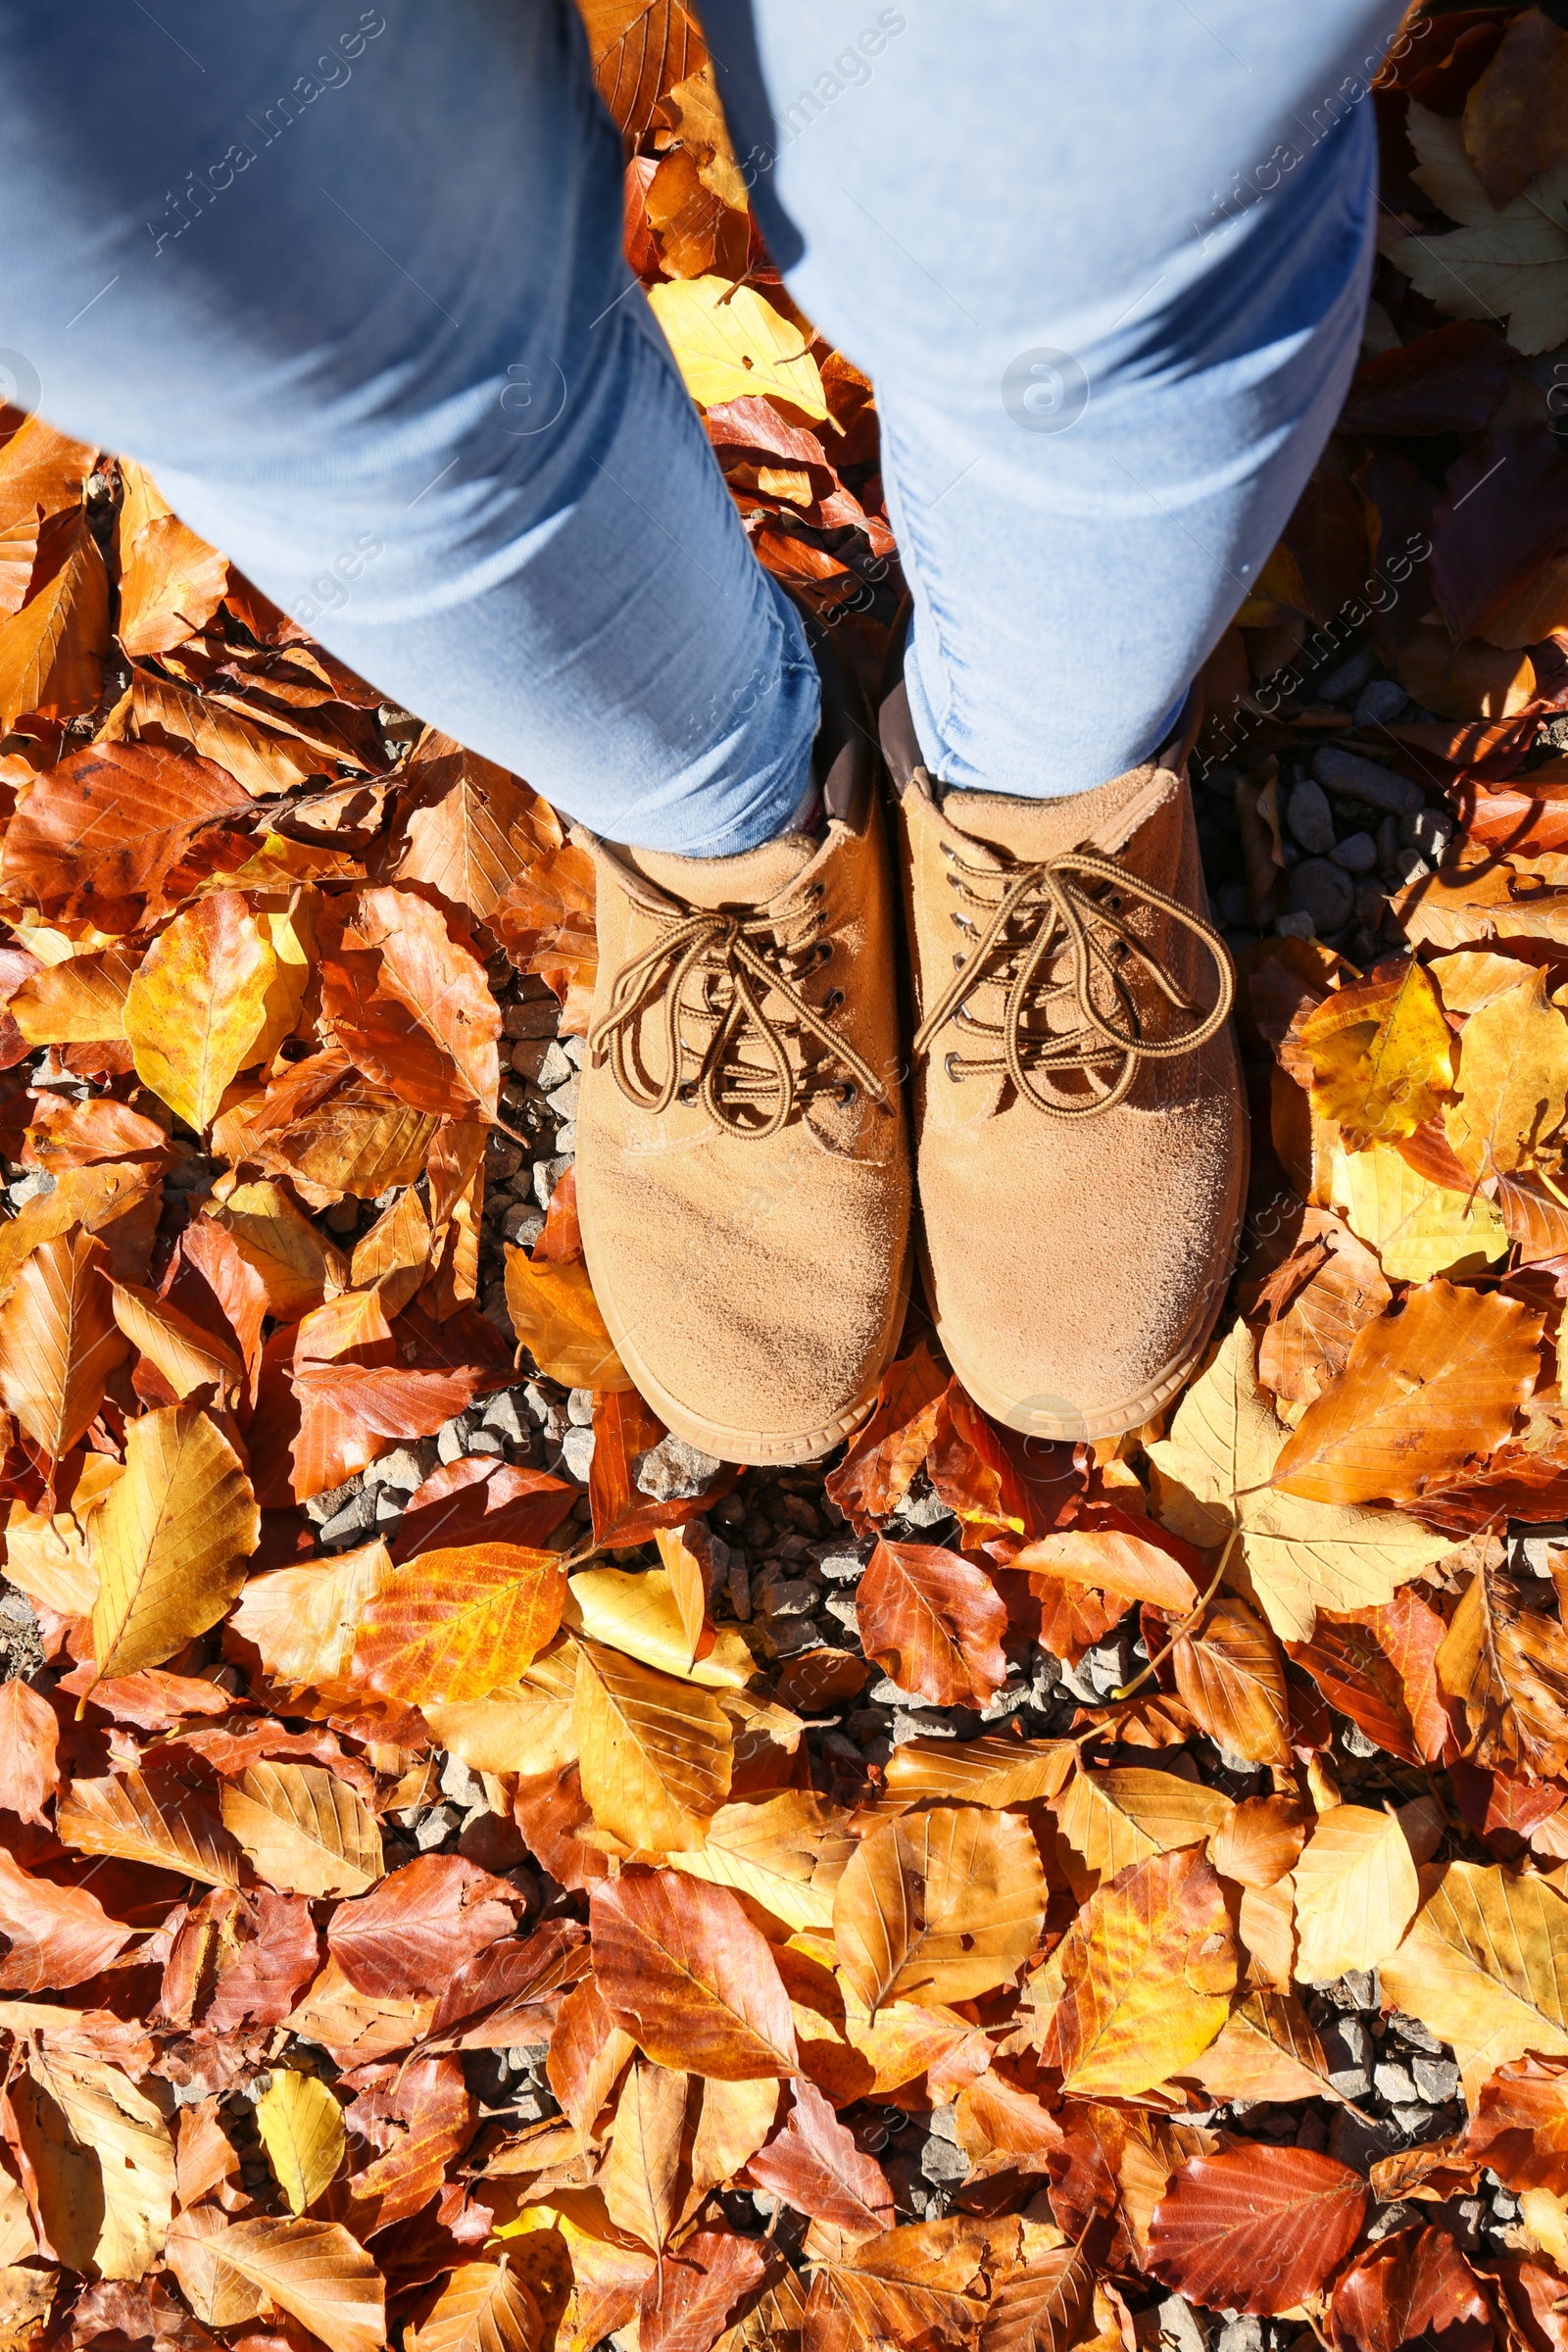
<point x="485" y="1441"/>
<point x="673" y="1469"/>
<point x="1324" y="891"/>
<point x="1356" y="1743"/>
<point x="841" y="1606"/>
<point x="463" y="1786"/>
<point x="1371" y="905"/>
<point x="1379" y="703"/>
<point x="577" y="1451"/>
<point x="532" y="2105"/>
<point x="1358" y="853"/>
<point x="1413" y="2121"/>
<point x="575" y="1050"/>
<point x="1466" y="2217"/>
<point x="1296" y="925"/>
<point x="923" y="1510"/>
<point x="1504" y="2204"/>
<point x="547" y="1174"/>
<point x="939" y="2160"/>
<point x="563" y="1098"/>
<point x="1429" y="830"/>
<point x="555" y="1070"/>
<point x="1358" y="2140"/>
<point x="451" y="1438"/>
<point x="390" y="1504"/>
<point x="31" y="1187"/>
<point x="502" y="1160"/>
<point x="1357" y="1988"/>
<point x="789" y="1636"/>
<point x="1244" y="2333"/>
<point x="1414" y="2033"/>
<point x="1437" y="2079"/>
<point x="567" y="1138"/>
<point x="522" y="1224"/>
<point x="786" y="1596"/>
<point x="1361" y="779"/>
<point x="352" y="1520"/>
<point x="1003" y="1703"/>
<point x="325" y="1506"/>
<point x="1345" y="2040"/>
<point x="841" y="1567"/>
<point x="508" y="1415"/>
<point x="402" y="1468"/>
<point x="528" y="1053"/>
<point x="887" y="1693"/>
<point x="1408" y="865"/>
<point x="1342" y="681"/>
<point x="1181" y="2326"/>
<point x="738" y="1584"/>
<point x="1235" y="904"/>
<point x="1310" y="817"/>
<point x="433" y="1828"/>
<point x="580" y="1407"/>
<point x="1394" y="2083"/>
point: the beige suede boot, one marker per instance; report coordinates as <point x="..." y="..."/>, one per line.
<point x="743" y="1168"/>
<point x="1080" y="1120"/>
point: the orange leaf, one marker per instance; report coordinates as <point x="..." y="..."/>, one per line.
<point x="455" y="1625"/>
<point x="1256" y="2228"/>
<point x="934" y="1623"/>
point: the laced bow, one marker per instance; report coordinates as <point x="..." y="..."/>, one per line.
<point x="1060" y="913"/>
<point x="727" y="974"/>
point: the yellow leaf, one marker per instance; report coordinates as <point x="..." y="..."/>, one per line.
<point x="638" y="1612"/>
<point x="298" y="1264"/>
<point x="1471" y="977"/>
<point x="729" y="343"/>
<point x="198" y="1005"/>
<point x="1146" y="1972"/>
<point x="58" y="1342"/>
<point x="1486" y="1967"/>
<point x="1356" y="1893"/>
<point x="939" y="1906"/>
<point x="556" y="1315"/>
<point x="654" y="1753"/>
<point x="788" y="1853"/>
<point x="523" y="1727"/>
<point x="1382" y="1056"/>
<point x="120" y="2126"/>
<point x="303" y="1620"/>
<point x="1513" y="1080"/>
<point x="1125" y="1815"/>
<point x="1417" y="1229"/>
<point x="305" y="1830"/>
<point x="688" y="1586"/>
<point x="301" y="2125"/>
<point x="1214" y="1472"/>
<point x="313" y="2269"/>
<point x="172" y="1540"/>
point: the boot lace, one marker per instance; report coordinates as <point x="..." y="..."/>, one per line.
<point x="1058" y="937"/>
<point x="712" y="983"/>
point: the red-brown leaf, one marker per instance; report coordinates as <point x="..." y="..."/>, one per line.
<point x="28" y="1737"/>
<point x="687" y="2302"/>
<point x="934" y="1622"/>
<point x="1414" y="2288"/>
<point x="1255" y="2229"/>
<point x="412" y="1933"/>
<point x="814" y="2165"/>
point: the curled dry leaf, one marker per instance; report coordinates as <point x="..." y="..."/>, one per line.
<point x="314" y="2271"/>
<point x="301" y="2127"/>
<point x="703" y="2281"/>
<point x="639" y="2182"/>
<point x="1260" y="1840"/>
<point x="682" y="1970"/>
<point x="29" y="1738"/>
<point x="1520" y="2126"/>
<point x="814" y="2165"/>
<point x="1414" y="2289"/>
<point x="939" y="1906"/>
<point x="1256" y="2228"/>
<point x="1505" y="1662"/>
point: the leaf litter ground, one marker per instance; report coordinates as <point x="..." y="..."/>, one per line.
<point x="476" y="1873"/>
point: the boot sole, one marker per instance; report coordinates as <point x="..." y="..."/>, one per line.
<point x="773" y="1449"/>
<point x="1118" y="1420"/>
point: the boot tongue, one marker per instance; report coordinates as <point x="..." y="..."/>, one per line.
<point x="1105" y="818"/>
<point x="753" y="879"/>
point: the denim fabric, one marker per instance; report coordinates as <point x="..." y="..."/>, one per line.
<point x="349" y="282"/>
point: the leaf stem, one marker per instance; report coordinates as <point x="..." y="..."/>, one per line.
<point x="1188" y="1622"/>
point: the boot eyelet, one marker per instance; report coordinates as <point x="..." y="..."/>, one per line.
<point x="824" y="950"/>
<point x="845" y="1093"/>
<point x="687" y="1090"/>
<point x="957" y="1076"/>
<point x="835" y="999"/>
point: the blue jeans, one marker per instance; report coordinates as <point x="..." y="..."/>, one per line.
<point x="349" y="282"/>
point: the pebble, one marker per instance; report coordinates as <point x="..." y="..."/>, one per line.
<point x="786" y="1596"/>
<point x="1358" y="853"/>
<point x="462" y="1784"/>
<point x="522" y="1224"/>
<point x="507" y="1416"/>
<point x="435" y="1827"/>
<point x="541" y="1018"/>
<point x="1243" y="2333"/>
<point x="1310" y="817"/>
<point x="547" y="1174"/>
<point x="1357" y="1988"/>
<point x="673" y="1469"/>
<point x="1361" y="779"/>
<point x="580" y="1407"/>
<point x="1429" y="830"/>
<point x="1342" y="681"/>
<point x="402" y="1468"/>
<point x="1379" y="703"/>
<point x="1296" y="925"/>
<point x="841" y="1567"/>
<point x="1394" y="2083"/>
<point x="1182" y="2326"/>
<point x="1412" y="2031"/>
<point x="577" y="1451"/>
<point x="354" y="1519"/>
<point x="1324" y="891"/>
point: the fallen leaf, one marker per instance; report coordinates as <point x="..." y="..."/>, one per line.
<point x="1214" y="1471"/>
<point x="1414" y="2289"/>
<point x="1483" y="1966"/>
<point x="814" y="2165"/>
<point x="729" y="343"/>
<point x="682" y="1970"/>
<point x="150" y="1818"/>
<point x="58" y="1342"/>
<point x="313" y="2269"/>
<point x="301" y="2128"/>
<point x="655" y="1754"/>
<point x="933" y="1621"/>
<point x="30" y="1738"/>
<point x="482" y="2307"/>
<point x="639" y="2181"/>
<point x="1145" y="1973"/>
<point x="410" y="1006"/>
<point x="1356" y="1893"/>
<point x="100" y="834"/>
<point x="703" y="2281"/>
<point x="456" y="1625"/>
<point x="56" y="1936"/>
<point x="1380" y="1054"/>
<point x="305" y="1830"/>
<point x="1503" y="261"/>
<point x="170" y="1539"/>
<point x="939" y="1906"/>
<point x="1417" y="1228"/>
<point x="1043" y="2306"/>
<point x="557" y="1318"/>
<point x="1506" y="1663"/>
<point x="1231" y="1676"/>
<point x="418" y="1928"/>
<point x="1255" y="2229"/>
